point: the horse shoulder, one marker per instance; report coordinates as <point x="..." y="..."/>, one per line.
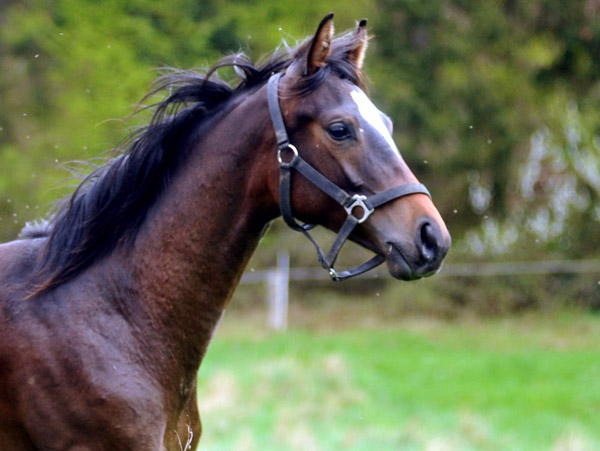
<point x="17" y="259"/>
<point x="70" y="344"/>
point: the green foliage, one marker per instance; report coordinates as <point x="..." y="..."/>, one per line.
<point x="70" y="71"/>
<point x="476" y="80"/>
<point x="469" y="85"/>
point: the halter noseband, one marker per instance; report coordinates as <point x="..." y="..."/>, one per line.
<point x="289" y="159"/>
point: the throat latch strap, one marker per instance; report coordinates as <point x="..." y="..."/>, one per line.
<point x="358" y="207"/>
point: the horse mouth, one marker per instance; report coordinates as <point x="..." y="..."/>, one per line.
<point x="399" y="265"/>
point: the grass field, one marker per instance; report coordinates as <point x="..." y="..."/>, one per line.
<point x="526" y="383"/>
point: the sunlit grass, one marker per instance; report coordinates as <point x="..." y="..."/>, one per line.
<point x="529" y="383"/>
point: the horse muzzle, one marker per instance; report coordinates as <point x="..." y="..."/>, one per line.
<point x="420" y="257"/>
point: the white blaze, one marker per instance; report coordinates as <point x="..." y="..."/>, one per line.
<point x="372" y="116"/>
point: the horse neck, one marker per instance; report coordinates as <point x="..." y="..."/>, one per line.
<point x="195" y="243"/>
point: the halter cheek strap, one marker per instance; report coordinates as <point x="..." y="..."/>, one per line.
<point x="354" y="204"/>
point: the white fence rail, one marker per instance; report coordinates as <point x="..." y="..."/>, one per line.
<point x="278" y="278"/>
<point x="278" y="281"/>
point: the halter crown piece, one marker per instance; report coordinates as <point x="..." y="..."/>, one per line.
<point x="289" y="159"/>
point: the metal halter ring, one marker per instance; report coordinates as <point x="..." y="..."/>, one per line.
<point x="334" y="275"/>
<point x="284" y="164"/>
<point x="358" y="200"/>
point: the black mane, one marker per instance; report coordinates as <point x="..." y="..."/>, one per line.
<point x="109" y="206"/>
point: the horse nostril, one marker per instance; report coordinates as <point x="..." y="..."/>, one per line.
<point x="429" y="241"/>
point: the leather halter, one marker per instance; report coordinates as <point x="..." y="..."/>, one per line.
<point x="354" y="204"/>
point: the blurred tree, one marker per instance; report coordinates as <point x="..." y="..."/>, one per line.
<point x="469" y="83"/>
<point x="474" y="87"/>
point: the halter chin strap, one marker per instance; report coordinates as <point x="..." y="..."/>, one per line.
<point x="358" y="207"/>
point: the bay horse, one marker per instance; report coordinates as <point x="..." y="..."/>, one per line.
<point x="106" y="309"/>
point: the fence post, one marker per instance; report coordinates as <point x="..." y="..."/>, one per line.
<point x="277" y="292"/>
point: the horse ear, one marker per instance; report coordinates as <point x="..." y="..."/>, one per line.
<point x="320" y="47"/>
<point x="357" y="54"/>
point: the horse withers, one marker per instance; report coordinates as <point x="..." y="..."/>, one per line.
<point x="106" y="310"/>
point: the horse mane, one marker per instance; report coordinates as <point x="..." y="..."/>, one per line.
<point x="110" y="204"/>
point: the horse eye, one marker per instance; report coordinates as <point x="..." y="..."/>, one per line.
<point x="339" y="131"/>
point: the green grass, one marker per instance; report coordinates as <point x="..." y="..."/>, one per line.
<point x="525" y="383"/>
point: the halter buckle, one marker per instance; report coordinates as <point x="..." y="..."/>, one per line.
<point x="294" y="151"/>
<point x="333" y="275"/>
<point x="358" y="201"/>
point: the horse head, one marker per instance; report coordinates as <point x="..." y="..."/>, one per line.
<point x="351" y="176"/>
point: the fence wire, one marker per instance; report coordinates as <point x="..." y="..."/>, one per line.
<point x="454" y="269"/>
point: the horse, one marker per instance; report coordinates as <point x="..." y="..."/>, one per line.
<point x="107" y="308"/>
